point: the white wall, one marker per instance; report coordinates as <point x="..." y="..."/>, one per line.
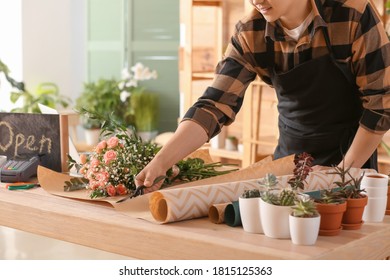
<point x="10" y="46"/>
<point x="54" y="39"/>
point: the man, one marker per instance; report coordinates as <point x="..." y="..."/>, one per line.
<point x="329" y="62"/>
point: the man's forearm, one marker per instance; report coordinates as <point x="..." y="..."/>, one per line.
<point x="363" y="145"/>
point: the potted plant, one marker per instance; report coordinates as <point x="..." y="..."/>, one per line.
<point x="331" y="207"/>
<point x="304" y="221"/>
<point x="100" y="97"/>
<point x="349" y="189"/>
<point x="249" y="211"/>
<point x="231" y="143"/>
<point x="275" y="205"/>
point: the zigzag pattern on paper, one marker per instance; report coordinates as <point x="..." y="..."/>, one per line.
<point x="194" y="202"/>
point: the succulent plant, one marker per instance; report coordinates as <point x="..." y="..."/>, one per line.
<point x="268" y="181"/>
<point x="303" y="166"/>
<point x="304" y="207"/>
<point x="251" y="193"/>
<point x="329" y="196"/>
<point x="284" y="197"/>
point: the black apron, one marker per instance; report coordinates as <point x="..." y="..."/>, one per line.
<point x="319" y="108"/>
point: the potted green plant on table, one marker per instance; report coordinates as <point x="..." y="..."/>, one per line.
<point x="275" y="204"/>
<point x="331" y="207"/>
<point x="249" y="211"/>
<point x="304" y="221"/>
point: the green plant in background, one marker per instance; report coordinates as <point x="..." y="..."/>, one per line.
<point x="46" y="94"/>
<point x="101" y="97"/>
<point x="15" y="84"/>
<point x="145" y="106"/>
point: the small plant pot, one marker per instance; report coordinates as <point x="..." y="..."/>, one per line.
<point x="375" y="210"/>
<point x="231" y="144"/>
<point x="304" y="231"/>
<point x="331" y="218"/>
<point x="250" y="214"/>
<point x="92" y="136"/>
<point x="352" y="217"/>
<point x="275" y="220"/>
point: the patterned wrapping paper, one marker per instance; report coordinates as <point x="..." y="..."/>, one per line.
<point x="195" y="202"/>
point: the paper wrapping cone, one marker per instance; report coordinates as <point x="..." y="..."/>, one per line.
<point x="217" y="213"/>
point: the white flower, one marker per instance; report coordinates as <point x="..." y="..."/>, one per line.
<point x="125" y="74"/>
<point x="124" y="95"/>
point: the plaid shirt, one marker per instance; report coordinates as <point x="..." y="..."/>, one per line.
<point x="357" y="36"/>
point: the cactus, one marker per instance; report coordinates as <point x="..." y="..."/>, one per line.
<point x="251" y="193"/>
<point x="287" y="197"/>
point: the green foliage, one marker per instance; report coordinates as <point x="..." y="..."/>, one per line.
<point x="46" y="94"/>
<point x="100" y="98"/>
<point x="330" y="196"/>
<point x="304" y="207"/>
<point x="145" y="106"/>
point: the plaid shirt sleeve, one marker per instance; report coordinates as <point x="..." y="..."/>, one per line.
<point x="371" y="63"/>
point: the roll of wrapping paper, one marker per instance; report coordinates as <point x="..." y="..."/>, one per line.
<point x="172" y="205"/>
<point x="232" y="214"/>
<point x="194" y="199"/>
<point x="217" y="213"/>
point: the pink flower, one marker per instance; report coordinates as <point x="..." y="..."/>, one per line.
<point x="112" y="142"/>
<point x="101" y="146"/>
<point x="83" y="158"/>
<point x="109" y="156"/>
<point x="102" y="177"/>
<point x="111" y="191"/>
<point x="95" y="162"/>
<point x="121" y="189"/>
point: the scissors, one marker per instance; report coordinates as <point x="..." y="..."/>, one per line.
<point x="140" y="189"/>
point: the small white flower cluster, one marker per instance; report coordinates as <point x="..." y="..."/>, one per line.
<point x="139" y="72"/>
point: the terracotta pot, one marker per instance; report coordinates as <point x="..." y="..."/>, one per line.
<point x="331" y="218"/>
<point x="352" y="218"/>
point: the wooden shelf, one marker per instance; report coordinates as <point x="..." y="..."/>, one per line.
<point x="236" y="155"/>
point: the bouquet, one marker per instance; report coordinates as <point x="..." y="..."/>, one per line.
<point x="110" y="169"/>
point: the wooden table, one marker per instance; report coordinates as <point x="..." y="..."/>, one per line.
<point x="101" y="226"/>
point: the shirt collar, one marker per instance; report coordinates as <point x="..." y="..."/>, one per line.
<point x="274" y="30"/>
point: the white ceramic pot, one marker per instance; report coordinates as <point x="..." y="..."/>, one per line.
<point x="92" y="136"/>
<point x="304" y="231"/>
<point x="250" y="214"/>
<point x="375" y="210"/>
<point x="375" y="184"/>
<point x="275" y="220"/>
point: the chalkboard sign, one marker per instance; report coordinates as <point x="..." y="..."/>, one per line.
<point x="25" y="135"/>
